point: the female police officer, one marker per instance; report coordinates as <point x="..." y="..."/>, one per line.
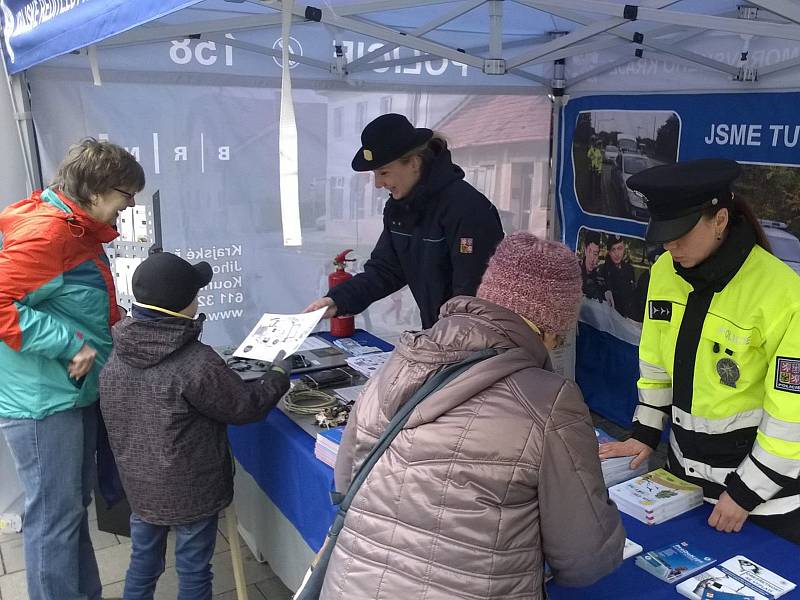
<point x="438" y="231"/>
<point x="720" y="350"/>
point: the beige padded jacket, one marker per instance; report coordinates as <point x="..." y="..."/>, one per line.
<point x="491" y="476"/>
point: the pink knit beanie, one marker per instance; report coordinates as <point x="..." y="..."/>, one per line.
<point x="537" y="279"/>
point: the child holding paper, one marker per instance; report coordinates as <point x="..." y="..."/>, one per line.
<point x="167" y="399"/>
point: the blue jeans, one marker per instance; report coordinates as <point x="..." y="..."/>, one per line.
<point x="54" y="457"/>
<point x="194" y="548"/>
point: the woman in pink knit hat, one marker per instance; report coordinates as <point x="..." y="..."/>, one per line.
<point x="493" y="474"/>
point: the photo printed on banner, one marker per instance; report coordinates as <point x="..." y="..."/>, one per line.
<point x="611" y="145"/>
<point x="615" y="273"/>
<point x="774" y="193"/>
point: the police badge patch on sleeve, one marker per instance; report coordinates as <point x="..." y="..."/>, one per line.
<point x="466" y="246"/>
<point x="660" y="310"/>
<point x="787" y="374"/>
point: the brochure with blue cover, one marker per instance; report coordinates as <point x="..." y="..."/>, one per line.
<point x="674" y="562"/>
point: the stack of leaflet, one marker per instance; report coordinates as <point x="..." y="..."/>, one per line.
<point x="616" y="470"/>
<point x="737" y="576"/>
<point x="656" y="497"/>
<point x="327" y="446"/>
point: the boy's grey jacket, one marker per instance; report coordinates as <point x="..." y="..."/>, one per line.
<point x="491" y="476"/>
<point x="167" y="399"/>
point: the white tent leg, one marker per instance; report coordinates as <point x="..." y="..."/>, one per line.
<point x="552" y="225"/>
<point x="20" y="111"/>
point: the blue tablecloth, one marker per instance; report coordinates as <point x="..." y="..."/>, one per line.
<point x="629" y="581"/>
<point x="279" y="455"/>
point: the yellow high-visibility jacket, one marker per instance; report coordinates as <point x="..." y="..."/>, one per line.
<point x="724" y="364"/>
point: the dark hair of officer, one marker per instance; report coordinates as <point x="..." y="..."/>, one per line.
<point x="739" y="210"/>
<point x="427" y="152"/>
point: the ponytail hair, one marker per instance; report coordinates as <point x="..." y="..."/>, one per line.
<point x="428" y="151"/>
<point x="739" y="211"/>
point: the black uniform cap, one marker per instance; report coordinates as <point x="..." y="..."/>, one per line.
<point x="677" y="194"/>
<point x="167" y="281"/>
<point x="386" y="139"/>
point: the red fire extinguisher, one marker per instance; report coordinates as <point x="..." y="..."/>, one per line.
<point x="341" y="326"/>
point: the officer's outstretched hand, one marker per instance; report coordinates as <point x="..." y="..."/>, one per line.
<point x="322" y="303"/>
<point x="727" y="516"/>
<point x="630" y="447"/>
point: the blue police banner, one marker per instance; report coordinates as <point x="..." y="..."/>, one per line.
<point x="605" y="140"/>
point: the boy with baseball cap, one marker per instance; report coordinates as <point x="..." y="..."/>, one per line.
<point x="167" y="399"/>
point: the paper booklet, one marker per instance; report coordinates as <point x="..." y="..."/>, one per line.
<point x="349" y="394"/>
<point x="656" y="496"/>
<point x="738" y="575"/>
<point x="274" y="333"/>
<point x="368" y="364"/>
<point x="709" y="594"/>
<point x="631" y="549"/>
<point x="674" y="562"/>
<point x="326" y="447"/>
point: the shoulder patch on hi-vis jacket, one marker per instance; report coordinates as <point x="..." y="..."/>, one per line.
<point x="660" y="310"/>
<point x="787" y="374"/>
<point x="465" y="246"/>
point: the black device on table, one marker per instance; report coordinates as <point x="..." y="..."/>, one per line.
<point x="303" y="361"/>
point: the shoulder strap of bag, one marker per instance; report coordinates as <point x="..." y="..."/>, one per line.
<point x="312" y="585"/>
<point x="395" y="426"/>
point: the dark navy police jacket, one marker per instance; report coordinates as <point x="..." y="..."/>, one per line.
<point x="437" y="240"/>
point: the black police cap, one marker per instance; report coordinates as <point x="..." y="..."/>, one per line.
<point x="167" y="281"/>
<point x="386" y="139"/>
<point x="677" y="194"/>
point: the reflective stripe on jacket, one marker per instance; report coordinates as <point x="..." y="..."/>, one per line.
<point x="739" y="431"/>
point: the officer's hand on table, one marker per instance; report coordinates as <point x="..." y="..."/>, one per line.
<point x="82" y="362"/>
<point x="727" y="516"/>
<point x="630" y="447"/>
<point x="322" y="303"/>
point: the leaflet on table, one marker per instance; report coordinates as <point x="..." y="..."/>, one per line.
<point x="738" y="575"/>
<point x="353" y="348"/>
<point x="274" y="333"/>
<point x="709" y="594"/>
<point x="313" y="342"/>
<point x="349" y="394"/>
<point x="631" y="548"/>
<point x="674" y="562"/>
<point x="368" y="364"/>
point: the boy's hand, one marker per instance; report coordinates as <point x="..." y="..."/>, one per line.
<point x="283" y="364"/>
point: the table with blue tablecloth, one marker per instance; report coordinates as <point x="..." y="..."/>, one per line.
<point x="629" y="581"/>
<point x="282" y="490"/>
<point x="284" y="508"/>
